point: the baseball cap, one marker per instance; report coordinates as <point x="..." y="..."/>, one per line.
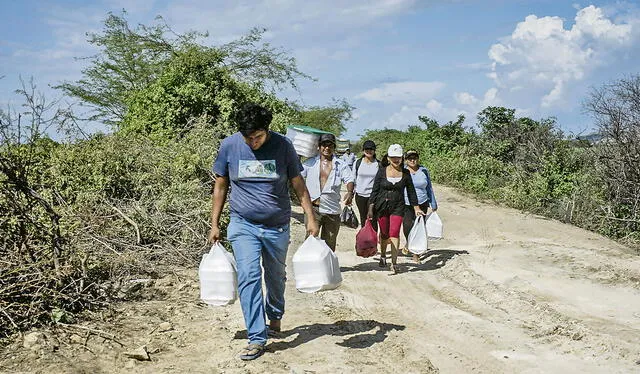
<point x="369" y="144"/>
<point x="327" y="138"/>
<point x="411" y="152"/>
<point x="395" y="150"/>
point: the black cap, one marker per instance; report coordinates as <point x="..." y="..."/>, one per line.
<point x="369" y="144"/>
<point x="327" y="138"/>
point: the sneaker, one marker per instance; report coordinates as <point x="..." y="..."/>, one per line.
<point x="383" y="262"/>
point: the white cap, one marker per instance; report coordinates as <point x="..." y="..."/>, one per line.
<point x="395" y="150"/>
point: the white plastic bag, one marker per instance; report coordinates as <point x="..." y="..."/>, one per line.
<point x="434" y="226"/>
<point x="417" y="240"/>
<point x="315" y="266"/>
<point x="218" y="280"/>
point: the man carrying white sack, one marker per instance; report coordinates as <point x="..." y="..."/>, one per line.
<point x="259" y="164"/>
<point x="324" y="175"/>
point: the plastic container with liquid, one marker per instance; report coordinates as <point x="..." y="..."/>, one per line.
<point x="316" y="267"/>
<point x="218" y="279"/>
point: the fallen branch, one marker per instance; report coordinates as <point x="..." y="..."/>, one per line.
<point x="135" y="225"/>
<point x="620" y="219"/>
<point x="105" y="244"/>
<point x="10" y="319"/>
<point x="100" y="333"/>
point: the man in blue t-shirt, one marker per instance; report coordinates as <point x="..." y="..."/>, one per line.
<point x="259" y="164"/>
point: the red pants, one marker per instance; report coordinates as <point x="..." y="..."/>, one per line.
<point x="390" y="226"/>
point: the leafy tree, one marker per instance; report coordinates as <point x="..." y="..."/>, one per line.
<point x="131" y="59"/>
<point x="252" y="61"/>
<point x="443" y="138"/>
<point x="191" y="87"/>
<point x="128" y="60"/>
<point x="331" y="118"/>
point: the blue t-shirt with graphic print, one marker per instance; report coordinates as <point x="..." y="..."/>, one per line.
<point x="259" y="179"/>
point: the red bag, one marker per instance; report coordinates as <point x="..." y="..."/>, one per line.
<point x="367" y="241"/>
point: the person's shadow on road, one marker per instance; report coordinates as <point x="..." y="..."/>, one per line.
<point x="298" y="216"/>
<point x="432" y="260"/>
<point x="370" y="265"/>
<point x="435" y="259"/>
<point x="365" y="334"/>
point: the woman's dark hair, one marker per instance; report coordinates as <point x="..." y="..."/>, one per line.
<point x="252" y="117"/>
<point x="385" y="161"/>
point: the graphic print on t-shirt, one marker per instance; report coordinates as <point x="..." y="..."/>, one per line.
<point x="257" y="169"/>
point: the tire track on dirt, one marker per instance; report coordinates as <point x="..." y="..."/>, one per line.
<point x="539" y="319"/>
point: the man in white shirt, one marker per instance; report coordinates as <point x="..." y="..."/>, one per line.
<point x="324" y="175"/>
<point x="349" y="158"/>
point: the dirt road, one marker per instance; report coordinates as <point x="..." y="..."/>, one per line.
<point x="504" y="292"/>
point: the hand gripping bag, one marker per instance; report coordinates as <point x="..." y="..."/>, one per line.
<point x="315" y="266"/>
<point x="348" y="217"/>
<point x="434" y="226"/>
<point x="218" y="280"/>
<point x="417" y="240"/>
<point x="367" y="240"/>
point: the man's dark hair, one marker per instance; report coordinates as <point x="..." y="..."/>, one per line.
<point x="252" y="117"/>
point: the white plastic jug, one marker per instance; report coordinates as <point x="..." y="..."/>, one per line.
<point x="316" y="267"/>
<point x="417" y="240"/>
<point x="305" y="144"/>
<point x="434" y="226"/>
<point x="218" y="281"/>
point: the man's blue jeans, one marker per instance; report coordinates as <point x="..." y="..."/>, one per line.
<point x="251" y="242"/>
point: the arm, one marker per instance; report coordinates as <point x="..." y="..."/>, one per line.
<point x="353" y="173"/>
<point x="411" y="193"/>
<point x="381" y="174"/>
<point x="347" y="178"/>
<point x="305" y="200"/>
<point x="218" y="199"/>
<point x="349" y="196"/>
<point x="432" y="196"/>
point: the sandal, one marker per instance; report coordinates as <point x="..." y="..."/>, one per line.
<point x="394" y="268"/>
<point x="252" y="351"/>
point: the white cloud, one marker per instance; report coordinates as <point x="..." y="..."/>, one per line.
<point x="471" y="104"/>
<point x="542" y="54"/>
<point x="407" y="92"/>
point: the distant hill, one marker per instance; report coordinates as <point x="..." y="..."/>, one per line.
<point x="592" y="138"/>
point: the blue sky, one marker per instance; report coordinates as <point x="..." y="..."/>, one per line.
<point x="391" y="59"/>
